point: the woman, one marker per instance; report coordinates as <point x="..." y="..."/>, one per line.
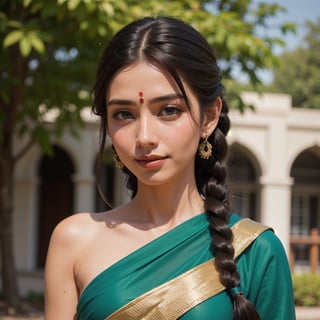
<point x="158" y="92"/>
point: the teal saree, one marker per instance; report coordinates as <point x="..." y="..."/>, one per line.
<point x="265" y="277"/>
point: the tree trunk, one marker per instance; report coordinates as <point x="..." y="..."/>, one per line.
<point x="8" y="268"/>
<point x="7" y="164"/>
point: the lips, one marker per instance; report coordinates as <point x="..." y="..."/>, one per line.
<point x="151" y="161"/>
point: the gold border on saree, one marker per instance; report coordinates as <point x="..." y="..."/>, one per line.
<point x="172" y="299"/>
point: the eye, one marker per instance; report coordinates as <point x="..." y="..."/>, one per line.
<point x="170" y="111"/>
<point x="123" y="115"/>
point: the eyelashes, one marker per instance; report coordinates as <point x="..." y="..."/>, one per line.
<point x="122" y="115"/>
<point x="171" y="111"/>
<point x="168" y="112"/>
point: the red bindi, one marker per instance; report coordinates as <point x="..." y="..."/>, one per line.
<point x="141" y="100"/>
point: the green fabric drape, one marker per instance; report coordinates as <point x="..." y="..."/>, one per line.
<point x="265" y="275"/>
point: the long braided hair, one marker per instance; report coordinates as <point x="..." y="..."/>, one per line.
<point x="181" y="50"/>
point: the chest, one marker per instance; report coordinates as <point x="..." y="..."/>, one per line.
<point x="106" y="248"/>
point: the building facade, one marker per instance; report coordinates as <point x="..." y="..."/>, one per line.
<point x="274" y="166"/>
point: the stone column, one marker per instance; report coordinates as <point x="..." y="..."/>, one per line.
<point x="276" y="206"/>
<point x="83" y="192"/>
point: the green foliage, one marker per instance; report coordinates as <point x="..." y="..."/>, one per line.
<point x="50" y="50"/>
<point x="234" y="90"/>
<point x="306" y="289"/>
<point x="298" y="72"/>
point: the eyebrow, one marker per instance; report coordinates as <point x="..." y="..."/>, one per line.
<point x="167" y="97"/>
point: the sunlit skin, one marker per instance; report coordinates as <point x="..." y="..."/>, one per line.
<point x="156" y="137"/>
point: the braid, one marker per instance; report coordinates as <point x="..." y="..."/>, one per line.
<point x="211" y="181"/>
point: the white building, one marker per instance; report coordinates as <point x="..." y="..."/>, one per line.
<point x="274" y="173"/>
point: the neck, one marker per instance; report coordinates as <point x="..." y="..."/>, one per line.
<point x="167" y="206"/>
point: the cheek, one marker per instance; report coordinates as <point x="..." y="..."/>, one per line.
<point x="119" y="138"/>
<point x="115" y="131"/>
<point x="185" y="138"/>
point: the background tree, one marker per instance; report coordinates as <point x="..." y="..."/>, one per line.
<point x="298" y="72"/>
<point x="49" y="50"/>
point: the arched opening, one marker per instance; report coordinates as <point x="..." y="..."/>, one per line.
<point x="305" y="201"/>
<point x="106" y="182"/>
<point x="243" y="186"/>
<point x="56" y="197"/>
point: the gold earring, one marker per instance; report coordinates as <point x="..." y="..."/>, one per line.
<point x="205" y="149"/>
<point x="117" y="161"/>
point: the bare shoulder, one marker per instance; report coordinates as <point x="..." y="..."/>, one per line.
<point x="67" y="241"/>
<point x="74" y="230"/>
<point x="79" y="228"/>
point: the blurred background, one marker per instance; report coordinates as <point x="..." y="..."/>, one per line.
<point x="269" y="55"/>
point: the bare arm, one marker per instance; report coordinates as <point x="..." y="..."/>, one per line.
<point x="61" y="294"/>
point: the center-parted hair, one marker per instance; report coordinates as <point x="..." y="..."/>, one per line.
<point x="184" y="53"/>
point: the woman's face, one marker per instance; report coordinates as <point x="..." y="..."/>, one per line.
<point x="154" y="133"/>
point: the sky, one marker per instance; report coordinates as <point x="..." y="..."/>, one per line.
<point x="298" y="11"/>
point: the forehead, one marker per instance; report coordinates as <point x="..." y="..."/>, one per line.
<point x="141" y="77"/>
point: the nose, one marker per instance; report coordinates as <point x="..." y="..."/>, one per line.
<point x="146" y="131"/>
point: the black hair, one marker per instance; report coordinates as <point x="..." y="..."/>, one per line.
<point x="185" y="54"/>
